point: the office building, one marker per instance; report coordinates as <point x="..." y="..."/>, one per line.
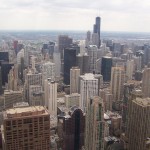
<point x="88" y="38"/>
<point x="63" y="42"/>
<point x="138" y="124"/>
<point x="57" y="62"/>
<point x="69" y="62"/>
<point x="12" y="97"/>
<point x="72" y="129"/>
<point x="26" y="128"/>
<point x="96" y="28"/>
<point x="117" y="82"/>
<point x="146" y="82"/>
<point x="116" y="123"/>
<point x="100" y="80"/>
<point x="4" y="56"/>
<point x="92" y="51"/>
<point x="146" y="54"/>
<point x="95" y="39"/>
<point x="94" y="128"/>
<point x="107" y="97"/>
<point x="74" y="80"/>
<point x="106" y="68"/>
<point x="48" y="70"/>
<point x="0" y="80"/>
<point x="20" y="55"/>
<point x="36" y="95"/>
<point x="50" y="89"/>
<point x="5" y="68"/>
<point x="129" y="69"/>
<point x="82" y="61"/>
<point x="32" y="79"/>
<point x="13" y="78"/>
<point x="72" y="100"/>
<point x="88" y="89"/>
<point x="128" y="88"/>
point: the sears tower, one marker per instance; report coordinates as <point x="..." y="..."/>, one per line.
<point x="96" y="28"/>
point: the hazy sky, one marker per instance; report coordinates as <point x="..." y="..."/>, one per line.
<point x="117" y="15"/>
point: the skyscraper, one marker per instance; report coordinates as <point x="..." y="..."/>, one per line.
<point x="94" y="129"/>
<point x="96" y="28"/>
<point x="117" y="82"/>
<point x="74" y="80"/>
<point x="129" y="69"/>
<point x="48" y="70"/>
<point x="88" y="89"/>
<point x="106" y="68"/>
<point x="26" y="128"/>
<point x="73" y="127"/>
<point x="57" y="61"/>
<point x="63" y="42"/>
<point x="51" y="96"/>
<point x="69" y="62"/>
<point x="92" y="52"/>
<point x="139" y="124"/>
<point x="32" y="79"/>
<point x="146" y="82"/>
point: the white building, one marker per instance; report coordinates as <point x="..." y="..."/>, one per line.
<point x="88" y="89"/>
<point x="74" y="80"/>
<point x="93" y="54"/>
<point x="36" y="95"/>
<point x="72" y="100"/>
<point x="50" y="89"/>
<point x="48" y="70"/>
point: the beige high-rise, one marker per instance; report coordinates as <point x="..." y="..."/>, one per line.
<point x="138" y="127"/>
<point x="94" y="128"/>
<point x="117" y="81"/>
<point x="146" y="82"/>
<point x="74" y="80"/>
<point x="26" y="128"/>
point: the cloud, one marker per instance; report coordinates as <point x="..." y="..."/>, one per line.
<point x="129" y="15"/>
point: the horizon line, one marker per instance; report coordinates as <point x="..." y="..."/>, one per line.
<point x="64" y="30"/>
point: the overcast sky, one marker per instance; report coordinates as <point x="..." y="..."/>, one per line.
<point x="117" y="15"/>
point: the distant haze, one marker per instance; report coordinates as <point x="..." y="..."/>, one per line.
<point x="117" y="15"/>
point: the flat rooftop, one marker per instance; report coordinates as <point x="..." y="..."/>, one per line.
<point x="25" y="111"/>
<point x="88" y="76"/>
<point x="143" y="102"/>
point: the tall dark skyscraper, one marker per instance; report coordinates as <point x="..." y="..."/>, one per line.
<point x="63" y="42"/>
<point x="5" y="68"/>
<point x="72" y="132"/>
<point x="106" y="68"/>
<point x="96" y="28"/>
<point x="69" y="62"/>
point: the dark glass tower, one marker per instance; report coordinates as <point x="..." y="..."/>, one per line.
<point x="5" y="68"/>
<point x="96" y="28"/>
<point x="69" y="62"/>
<point x="106" y="68"/>
<point x="73" y="127"/>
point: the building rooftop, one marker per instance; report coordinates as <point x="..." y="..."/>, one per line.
<point x="88" y="76"/>
<point x="143" y="102"/>
<point x="25" y="111"/>
<point x="20" y="104"/>
<point x="12" y="92"/>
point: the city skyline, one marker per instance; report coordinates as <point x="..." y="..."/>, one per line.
<point x="118" y="15"/>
